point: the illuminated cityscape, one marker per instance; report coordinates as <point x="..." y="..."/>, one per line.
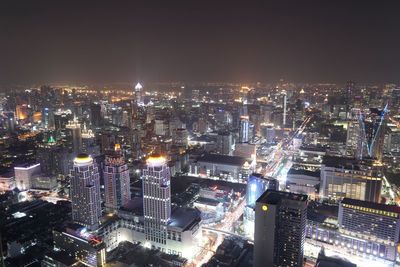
<point x="201" y="134"/>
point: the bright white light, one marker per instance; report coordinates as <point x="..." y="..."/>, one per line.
<point x="18" y="215"/>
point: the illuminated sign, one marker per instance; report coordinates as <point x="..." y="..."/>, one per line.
<point x="264" y="207"/>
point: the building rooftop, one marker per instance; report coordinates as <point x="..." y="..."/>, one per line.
<point x="274" y="197"/>
<point x="184" y="218"/>
<point x="61" y="258"/>
<point x="223" y="159"/>
<point x="304" y="172"/>
<point x="371" y="205"/>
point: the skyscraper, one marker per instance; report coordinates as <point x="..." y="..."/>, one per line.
<point x="280" y="221"/>
<point x="224" y="143"/>
<point x="74" y="136"/>
<point x="85" y="192"/>
<point x="95" y="113"/>
<point x="138" y="93"/>
<point x="244" y="129"/>
<point x="116" y="180"/>
<point x="156" y="199"/>
<point x="353" y="140"/>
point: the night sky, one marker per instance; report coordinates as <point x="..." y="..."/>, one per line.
<point x="304" y="41"/>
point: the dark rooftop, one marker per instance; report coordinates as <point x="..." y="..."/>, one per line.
<point x="273" y="197"/>
<point x="304" y="172"/>
<point x="371" y="205"/>
<point x="223" y="159"/>
<point x="184" y="218"/>
<point x="61" y="257"/>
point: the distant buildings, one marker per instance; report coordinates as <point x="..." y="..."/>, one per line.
<point x="344" y="177"/>
<point x="280" y="221"/>
<point x="85" y="192"/>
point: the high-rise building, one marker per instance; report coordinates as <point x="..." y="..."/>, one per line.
<point x="353" y="141"/>
<point x="224" y="143"/>
<point x="74" y="136"/>
<point x="156" y="199"/>
<point x="244" y="129"/>
<point x="138" y="93"/>
<point x="49" y="156"/>
<point x="95" y="112"/>
<point x="116" y="180"/>
<point x="280" y="221"/>
<point x="23" y="175"/>
<point x="85" y="192"/>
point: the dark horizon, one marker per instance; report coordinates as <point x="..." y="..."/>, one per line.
<point x="199" y="41"/>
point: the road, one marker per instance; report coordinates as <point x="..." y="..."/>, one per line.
<point x="276" y="158"/>
<point x="220" y="231"/>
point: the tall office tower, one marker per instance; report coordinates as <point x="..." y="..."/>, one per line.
<point x="284" y="108"/>
<point x="372" y="133"/>
<point x="46" y="118"/>
<point x="280" y="221"/>
<point x="244" y="129"/>
<point x="116" y="180"/>
<point x="49" y="156"/>
<point x="138" y="93"/>
<point x="353" y="141"/>
<point x="74" y="136"/>
<point x="224" y="143"/>
<point x="85" y="192"/>
<point x="350" y="92"/>
<point x="256" y="186"/>
<point x="376" y="227"/>
<point x="156" y="199"/>
<point x="95" y="114"/>
<point x="23" y="175"/>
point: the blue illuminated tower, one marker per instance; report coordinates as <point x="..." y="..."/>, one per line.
<point x="256" y="186"/>
<point x="372" y="134"/>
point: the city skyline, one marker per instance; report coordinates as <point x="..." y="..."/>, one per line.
<point x="199" y="134"/>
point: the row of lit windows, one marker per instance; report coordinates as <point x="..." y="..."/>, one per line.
<point x="380" y="212"/>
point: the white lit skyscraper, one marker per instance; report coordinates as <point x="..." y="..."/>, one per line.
<point x="138" y="93"/>
<point x="156" y="199"/>
<point x="116" y="180"/>
<point x="244" y="129"/>
<point x="85" y="192"/>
